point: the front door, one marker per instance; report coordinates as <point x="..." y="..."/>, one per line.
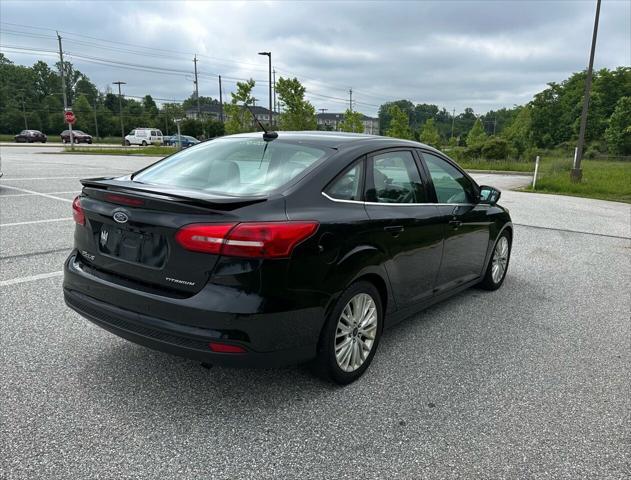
<point x="404" y="224"/>
<point x="465" y="221"/>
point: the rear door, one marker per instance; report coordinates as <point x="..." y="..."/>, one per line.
<point x="465" y="221"/>
<point x="404" y="224"/>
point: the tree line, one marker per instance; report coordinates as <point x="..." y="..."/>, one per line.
<point x="32" y="96"/>
<point x="549" y="120"/>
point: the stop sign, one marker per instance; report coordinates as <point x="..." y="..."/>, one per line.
<point x="70" y="118"/>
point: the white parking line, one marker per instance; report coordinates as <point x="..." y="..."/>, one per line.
<point x="31" y="278"/>
<point x="36" y="221"/>
<point x="27" y="194"/>
<point x="24" y="190"/>
<point x="33" y="178"/>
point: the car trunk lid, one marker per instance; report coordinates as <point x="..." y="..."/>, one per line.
<point x="130" y="231"/>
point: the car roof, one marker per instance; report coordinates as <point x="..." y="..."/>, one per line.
<point x="338" y="140"/>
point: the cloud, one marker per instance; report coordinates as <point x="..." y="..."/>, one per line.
<point x="453" y="53"/>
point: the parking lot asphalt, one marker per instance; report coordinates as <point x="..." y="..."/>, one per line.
<point x="530" y="381"/>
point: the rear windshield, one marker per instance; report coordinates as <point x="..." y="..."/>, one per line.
<point x="233" y="166"/>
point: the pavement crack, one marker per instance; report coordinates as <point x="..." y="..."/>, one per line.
<point x="573" y="231"/>
<point x="34" y="254"/>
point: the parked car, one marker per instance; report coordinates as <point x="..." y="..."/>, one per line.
<point x="77" y="135"/>
<point x="30" y="136"/>
<point x="186" y="141"/>
<point x="144" y="137"/>
<point x="251" y="251"/>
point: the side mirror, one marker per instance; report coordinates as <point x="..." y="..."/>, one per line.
<point x="489" y="195"/>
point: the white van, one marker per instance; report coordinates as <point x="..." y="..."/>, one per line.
<point x="144" y="137"/>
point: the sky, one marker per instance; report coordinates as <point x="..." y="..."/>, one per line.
<point x="455" y="54"/>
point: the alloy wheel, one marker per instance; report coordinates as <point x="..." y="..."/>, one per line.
<point x="500" y="260"/>
<point x="356" y="332"/>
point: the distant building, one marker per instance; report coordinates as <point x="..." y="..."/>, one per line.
<point x="214" y="112"/>
<point x="332" y="121"/>
<point x="208" y="111"/>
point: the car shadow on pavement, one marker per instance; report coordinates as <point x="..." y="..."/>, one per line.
<point x="416" y="361"/>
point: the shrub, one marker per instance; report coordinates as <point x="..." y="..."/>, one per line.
<point x="495" y="148"/>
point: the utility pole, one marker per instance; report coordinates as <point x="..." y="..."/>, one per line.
<point x="269" y="57"/>
<point x="24" y="112"/>
<point x="63" y="88"/>
<point x="274" y="75"/>
<point x="220" y="101"/>
<point x="494" y="124"/>
<point x="199" y="110"/>
<point x="453" y="122"/>
<point x="350" y="100"/>
<point x="576" y="173"/>
<point x="120" y="109"/>
<point x="96" y="122"/>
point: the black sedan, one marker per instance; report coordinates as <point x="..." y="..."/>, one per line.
<point x="30" y="136"/>
<point x="77" y="136"/>
<point x="255" y="250"/>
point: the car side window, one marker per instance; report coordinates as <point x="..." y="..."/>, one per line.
<point x="395" y="179"/>
<point x="450" y="184"/>
<point x="348" y="185"/>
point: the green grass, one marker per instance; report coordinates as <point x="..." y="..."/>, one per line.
<point x="601" y="179"/>
<point x="7" y="137"/>
<point x="604" y="180"/>
<point x="143" y="151"/>
<point x="498" y="165"/>
<point x="112" y="140"/>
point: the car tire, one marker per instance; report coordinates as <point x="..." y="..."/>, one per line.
<point x="341" y="356"/>
<point x="89" y="141"/>
<point x="127" y="143"/>
<point x="498" y="264"/>
<point x="144" y="144"/>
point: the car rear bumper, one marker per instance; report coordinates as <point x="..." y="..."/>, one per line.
<point x="185" y="326"/>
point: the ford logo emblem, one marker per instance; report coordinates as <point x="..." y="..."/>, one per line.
<point x="120" y="217"/>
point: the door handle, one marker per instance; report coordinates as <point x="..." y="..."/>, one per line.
<point x="394" y="230"/>
<point x="455" y="223"/>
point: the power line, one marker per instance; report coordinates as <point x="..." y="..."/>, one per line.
<point x="154" y="49"/>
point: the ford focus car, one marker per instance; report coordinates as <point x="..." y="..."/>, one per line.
<point x="269" y="250"/>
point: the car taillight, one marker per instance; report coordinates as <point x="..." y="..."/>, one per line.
<point x="252" y="240"/>
<point x="267" y="239"/>
<point x="203" y="238"/>
<point x="77" y="212"/>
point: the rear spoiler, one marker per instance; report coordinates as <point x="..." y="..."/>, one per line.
<point x="161" y="192"/>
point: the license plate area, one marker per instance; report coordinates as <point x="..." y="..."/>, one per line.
<point x="133" y="245"/>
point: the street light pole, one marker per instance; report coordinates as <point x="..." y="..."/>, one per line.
<point x="63" y="88"/>
<point x="576" y="173"/>
<point x="269" y="56"/>
<point x="120" y="109"/>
